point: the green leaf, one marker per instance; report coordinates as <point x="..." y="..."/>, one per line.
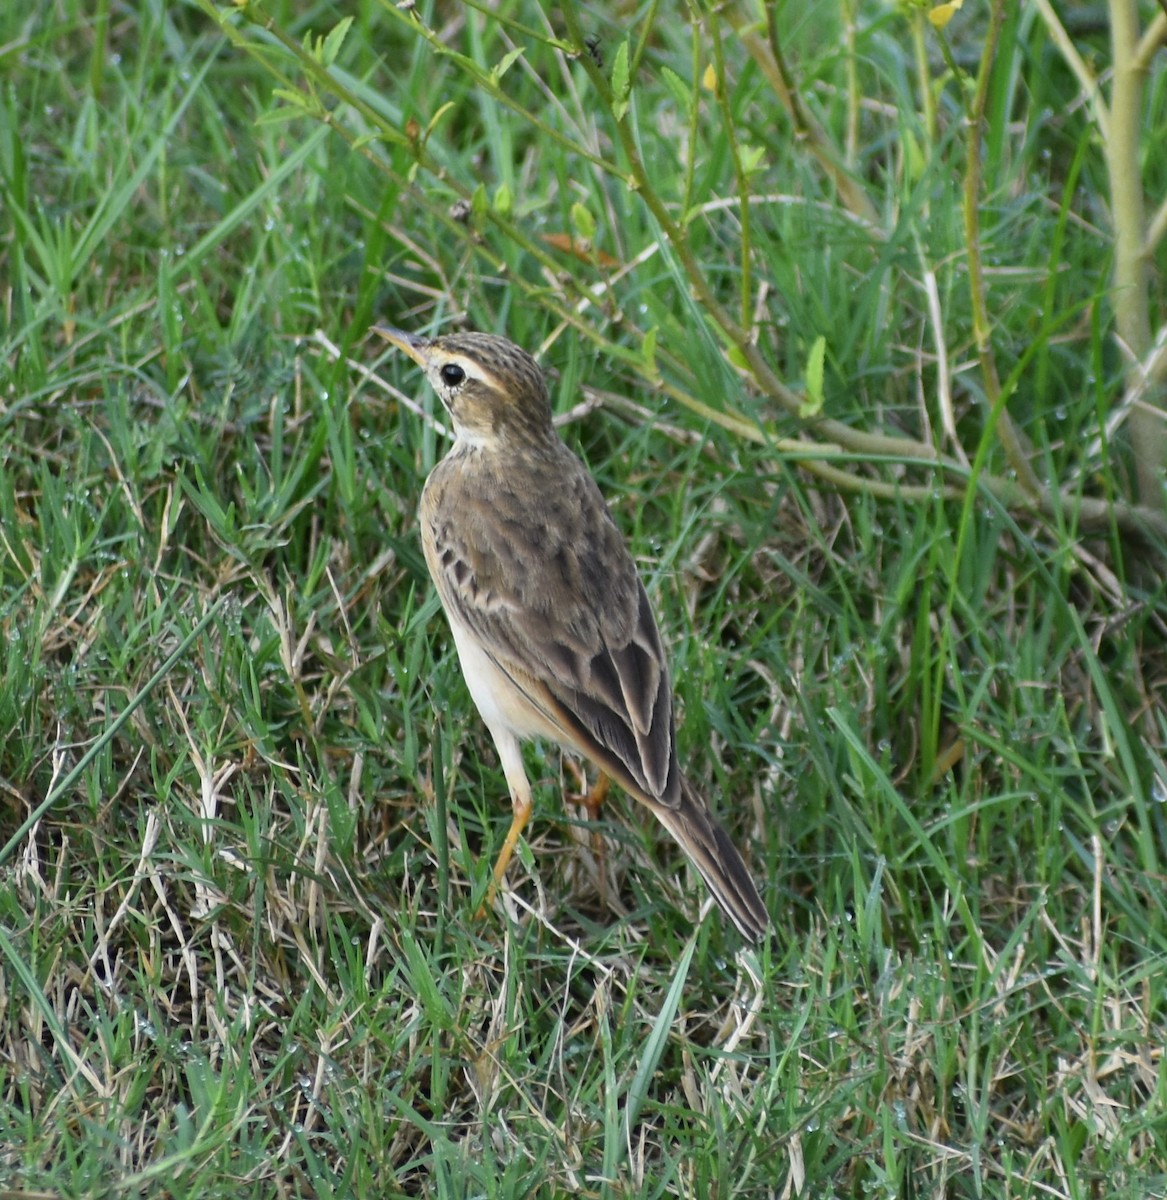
<point x="641" y="1086"/>
<point x="648" y="353"/>
<point x="914" y="158"/>
<point x="737" y="358"/>
<point x="814" y="379"/>
<point x="293" y="98"/>
<point x="681" y="92"/>
<point x="277" y="116"/>
<point x="304" y="104"/>
<point x="1075" y="1139"/>
<point x="752" y="158"/>
<point x="478" y="208"/>
<point x="502" y="200"/>
<point x="334" y="41"/>
<point x="621" y="82"/>
<point x="445" y="108"/>
<point x="583" y="222"/>
<point x="508" y="61"/>
<point x="420" y="972"/>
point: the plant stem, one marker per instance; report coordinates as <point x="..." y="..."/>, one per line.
<point x="1148" y="420"/>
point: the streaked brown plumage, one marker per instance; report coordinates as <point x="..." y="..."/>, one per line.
<point x="552" y="624"/>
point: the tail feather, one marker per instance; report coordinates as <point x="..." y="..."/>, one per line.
<point x="717" y="858"/>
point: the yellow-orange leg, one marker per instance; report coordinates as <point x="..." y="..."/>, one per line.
<point x="522" y="814"/>
<point x="521" y="808"/>
<point x="596" y="796"/>
<point x="592" y="799"/>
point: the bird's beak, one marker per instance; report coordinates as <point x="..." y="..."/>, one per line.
<point x="410" y="343"/>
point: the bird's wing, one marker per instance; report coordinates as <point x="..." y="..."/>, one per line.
<point x="552" y="596"/>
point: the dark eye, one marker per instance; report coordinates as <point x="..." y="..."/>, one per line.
<point x="452" y="374"/>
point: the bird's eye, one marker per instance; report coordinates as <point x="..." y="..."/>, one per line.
<point x="452" y="374"/>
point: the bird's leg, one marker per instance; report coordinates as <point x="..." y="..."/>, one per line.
<point x="593" y="797"/>
<point x="521" y="815"/>
<point x="521" y="807"/>
<point x="596" y="796"/>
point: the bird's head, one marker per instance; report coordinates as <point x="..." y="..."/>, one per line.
<point x="491" y="389"/>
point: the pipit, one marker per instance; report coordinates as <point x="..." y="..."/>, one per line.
<point x="553" y="627"/>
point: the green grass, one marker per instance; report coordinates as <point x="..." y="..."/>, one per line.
<point x="238" y="955"/>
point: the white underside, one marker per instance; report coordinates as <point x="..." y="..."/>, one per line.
<point x="508" y="714"/>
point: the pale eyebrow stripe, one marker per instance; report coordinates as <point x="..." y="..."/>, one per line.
<point x="472" y="368"/>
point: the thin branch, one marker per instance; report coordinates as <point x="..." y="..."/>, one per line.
<point x="1148" y="375"/>
<point x="770" y="61"/>
<point x="1157" y="229"/>
<point x="1131" y="284"/>
<point x="1152" y="41"/>
<point x="741" y="179"/>
<point x="918" y="23"/>
<point x="1087" y="80"/>
<point x="943" y="375"/>
<point x="1010" y="439"/>
<point x="850" y="42"/>
<point x="1143" y="379"/>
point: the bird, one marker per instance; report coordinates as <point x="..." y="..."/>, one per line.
<point x="552" y="625"/>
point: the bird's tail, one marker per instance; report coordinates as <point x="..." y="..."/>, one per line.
<point x="717" y="858"/>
